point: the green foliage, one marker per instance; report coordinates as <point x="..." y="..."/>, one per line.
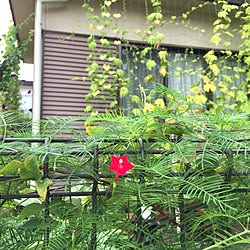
<point x="9" y="68"/>
<point x="188" y="162"/>
<point x="183" y="164"/>
<point x="29" y="170"/>
<point x="12" y="166"/>
<point x="42" y="187"/>
<point x="33" y="209"/>
<point x="217" y="89"/>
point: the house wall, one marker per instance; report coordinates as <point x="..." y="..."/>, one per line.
<point x="65" y="48"/>
<point x="65" y="78"/>
<point x="70" y="17"/>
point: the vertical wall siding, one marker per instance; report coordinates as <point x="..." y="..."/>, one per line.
<point x="64" y="65"/>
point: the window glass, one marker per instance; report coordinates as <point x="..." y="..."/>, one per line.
<point x="185" y="69"/>
<point x="134" y="64"/>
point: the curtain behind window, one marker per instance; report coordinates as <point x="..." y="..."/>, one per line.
<point x="134" y="65"/>
<point x="184" y="70"/>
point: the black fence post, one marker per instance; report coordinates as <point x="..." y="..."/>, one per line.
<point x="227" y="179"/>
<point x="139" y="222"/>
<point x="47" y="201"/>
<point x="93" y="242"/>
<point x="228" y="172"/>
<point x="183" y="226"/>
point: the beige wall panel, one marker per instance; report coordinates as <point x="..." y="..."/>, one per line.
<point x="70" y="17"/>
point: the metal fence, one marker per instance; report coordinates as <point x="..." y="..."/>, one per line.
<point x="95" y="178"/>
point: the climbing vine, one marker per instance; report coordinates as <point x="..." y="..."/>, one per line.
<point x="226" y="66"/>
<point x="10" y="66"/>
<point x="222" y="85"/>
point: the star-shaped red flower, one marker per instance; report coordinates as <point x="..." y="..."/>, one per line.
<point x="120" y="165"/>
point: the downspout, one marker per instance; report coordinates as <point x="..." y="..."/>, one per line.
<point x="37" y="84"/>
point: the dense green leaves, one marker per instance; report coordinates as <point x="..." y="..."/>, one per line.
<point x="187" y="161"/>
<point x="190" y="153"/>
<point x="29" y="169"/>
<point x="33" y="209"/>
<point x="9" y="68"/>
<point x="11" y="167"/>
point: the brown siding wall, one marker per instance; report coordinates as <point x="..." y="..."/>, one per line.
<point x="65" y="60"/>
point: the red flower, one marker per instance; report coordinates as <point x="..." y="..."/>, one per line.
<point x="120" y="165"/>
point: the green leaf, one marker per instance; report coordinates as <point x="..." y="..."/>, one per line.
<point x="215" y="39"/>
<point x="12" y="166"/>
<point x="30" y="170"/>
<point x="163" y="56"/>
<point x="214" y="68"/>
<point x="184" y="16"/>
<point x="93" y="87"/>
<point x="123" y="91"/>
<point x="105" y="43"/>
<point x="241" y="96"/>
<point x="151" y="17"/>
<point x="113" y="104"/>
<point x="222" y="14"/>
<point x="107" y="23"/>
<point x="106" y="67"/>
<point x="94" y="66"/>
<point x="42" y="186"/>
<point x="92" y="45"/>
<point x="88" y="108"/>
<point x="160" y="36"/>
<point x="135" y="99"/>
<point x="108" y="3"/>
<point x="151" y="40"/>
<point x="120" y="73"/>
<point x="137" y="32"/>
<point x="150" y="64"/>
<point x="31" y="209"/>
<point x="117" y="62"/>
<point x="158" y="15"/>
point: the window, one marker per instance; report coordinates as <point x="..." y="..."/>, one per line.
<point x="185" y="69"/>
<point x="134" y="65"/>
